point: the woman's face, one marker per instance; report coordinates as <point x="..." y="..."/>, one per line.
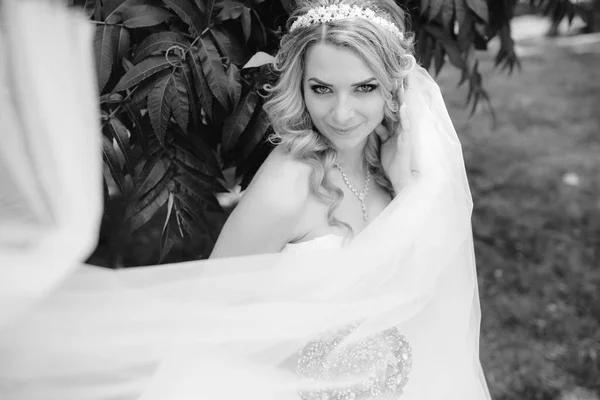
<point x="342" y="95"/>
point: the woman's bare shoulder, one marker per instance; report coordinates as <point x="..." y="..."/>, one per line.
<point x="267" y="216"/>
<point x="282" y="180"/>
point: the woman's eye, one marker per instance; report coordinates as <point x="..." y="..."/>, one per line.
<point x="366" y="88"/>
<point x="318" y="89"/>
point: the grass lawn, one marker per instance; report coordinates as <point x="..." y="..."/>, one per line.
<point x="535" y="179"/>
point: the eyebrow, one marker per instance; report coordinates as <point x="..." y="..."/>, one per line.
<point x="320" y="82"/>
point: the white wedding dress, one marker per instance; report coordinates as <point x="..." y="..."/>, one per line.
<point x="393" y="313"/>
<point x="325" y="242"/>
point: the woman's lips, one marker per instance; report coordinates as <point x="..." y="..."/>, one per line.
<point x="344" y="131"/>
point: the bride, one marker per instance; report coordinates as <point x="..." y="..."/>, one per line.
<point x="344" y="150"/>
<point x="345" y="272"/>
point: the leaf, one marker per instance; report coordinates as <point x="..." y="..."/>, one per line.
<point x="450" y="45"/>
<point x="158" y="42"/>
<point x="477" y="92"/>
<point x="121" y="135"/>
<point x="228" y="45"/>
<point x="480" y="8"/>
<point x="201" y="6"/>
<point x="506" y="58"/>
<point x="166" y="245"/>
<point x="229" y="10"/>
<point x="210" y="173"/>
<point x="190" y="14"/>
<point x="144" y="70"/>
<point x="144" y="16"/>
<point x="255" y="132"/>
<point x="202" y="89"/>
<point x="159" y="105"/>
<point x="234" y="86"/>
<point x="209" y="10"/>
<point x="461" y="11"/>
<point x="209" y="182"/>
<point x="194" y="148"/>
<point x="423" y="42"/>
<point x="194" y="189"/>
<point x="208" y="156"/>
<point x="141" y="200"/>
<point x="123" y="43"/>
<point x="440" y="55"/>
<point x="97" y="16"/>
<point x="105" y="192"/>
<point x="246" y="23"/>
<point x="247" y="170"/>
<point x="427" y="50"/>
<point x="139" y="134"/>
<point x="238" y="120"/>
<point x="104" y="52"/>
<point x="447" y="14"/>
<point x="111" y="160"/>
<point x="141" y="91"/>
<point x="189" y="160"/>
<point x="435" y="8"/>
<point x="466" y="33"/>
<point x="192" y="207"/>
<point x="111" y="98"/>
<point x="258" y="29"/>
<point x="127" y="65"/>
<point x="471" y="58"/>
<point x="259" y="59"/>
<point x="154" y="171"/>
<point x="89" y="8"/>
<point x="180" y="103"/>
<point x="146" y="214"/>
<point x="192" y="98"/>
<point x="114" y="15"/>
<point x="154" y="147"/>
<point x="169" y="209"/>
<point x="213" y="71"/>
<point x="166" y="241"/>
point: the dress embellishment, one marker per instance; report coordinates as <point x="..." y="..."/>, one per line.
<point x="376" y="366"/>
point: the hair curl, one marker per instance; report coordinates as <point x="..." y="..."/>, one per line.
<point x="388" y="57"/>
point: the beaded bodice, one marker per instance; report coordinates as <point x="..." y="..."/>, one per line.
<point x="377" y="366"/>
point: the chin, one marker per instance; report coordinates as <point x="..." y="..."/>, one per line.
<point x="348" y="143"/>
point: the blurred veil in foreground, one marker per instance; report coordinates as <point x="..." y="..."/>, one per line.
<point x="394" y="313"/>
<point x="50" y="167"/>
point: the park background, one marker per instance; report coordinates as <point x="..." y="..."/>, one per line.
<point x="526" y="110"/>
<point x="536" y="185"/>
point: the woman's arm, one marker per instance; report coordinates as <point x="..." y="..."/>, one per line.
<point x="268" y="213"/>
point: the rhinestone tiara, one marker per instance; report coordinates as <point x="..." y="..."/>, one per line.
<point x="336" y="12"/>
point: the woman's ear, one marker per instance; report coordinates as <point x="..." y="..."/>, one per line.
<point x="409" y="62"/>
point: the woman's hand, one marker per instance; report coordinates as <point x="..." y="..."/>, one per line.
<point x="396" y="151"/>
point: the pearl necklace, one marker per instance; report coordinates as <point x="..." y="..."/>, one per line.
<point x="360" y="195"/>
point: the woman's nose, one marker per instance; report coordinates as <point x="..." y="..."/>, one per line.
<point x="342" y="111"/>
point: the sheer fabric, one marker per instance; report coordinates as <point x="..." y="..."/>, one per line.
<point x="403" y="290"/>
<point x="48" y="150"/>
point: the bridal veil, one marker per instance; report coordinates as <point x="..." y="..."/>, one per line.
<point x="239" y="328"/>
